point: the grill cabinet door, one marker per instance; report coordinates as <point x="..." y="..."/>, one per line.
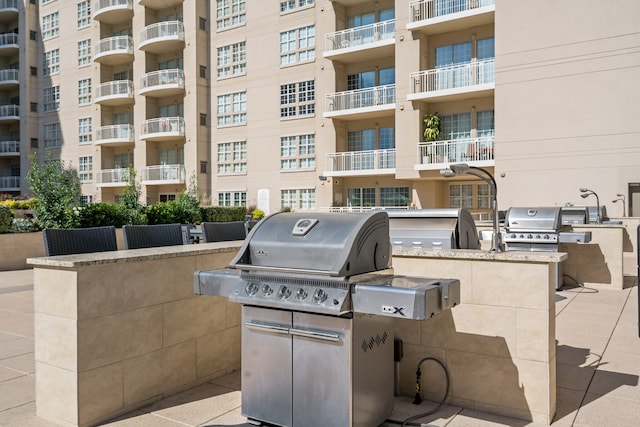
<point x="266" y="365"/>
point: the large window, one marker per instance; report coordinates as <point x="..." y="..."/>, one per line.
<point x="297" y="45"/>
<point x="52" y="135"/>
<point x="84" y="14"/>
<point x="229" y="13"/>
<point x="394" y="197"/>
<point x="461" y="196"/>
<point x="297" y="152"/>
<point x="51" y="62"/>
<point x="85" y="169"/>
<point x="84" y="53"/>
<point x="50" y="25"/>
<point x="232" y="198"/>
<point x="455" y="126"/>
<point x="297" y="99"/>
<point x="51" y="98"/>
<point x="232" y="60"/>
<point x="453" y="54"/>
<point x="291" y="5"/>
<point x="232" y="109"/>
<point x="232" y="157"/>
<point x="361" y="197"/>
<point x="303" y="199"/>
<point x="84" y="91"/>
<point x="84" y="130"/>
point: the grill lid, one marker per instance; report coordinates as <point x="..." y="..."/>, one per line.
<point x="533" y="219"/>
<point x="433" y="228"/>
<point x="330" y="244"/>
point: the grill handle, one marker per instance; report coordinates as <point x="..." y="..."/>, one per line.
<point x="319" y="335"/>
<point x="262" y="327"/>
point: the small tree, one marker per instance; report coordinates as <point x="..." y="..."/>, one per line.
<point x="130" y="199"/>
<point x="57" y="191"/>
<point x="431" y="127"/>
<point x="189" y="202"/>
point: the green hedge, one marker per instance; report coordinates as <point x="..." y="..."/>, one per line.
<point x="222" y="213"/>
<point x="5" y="218"/>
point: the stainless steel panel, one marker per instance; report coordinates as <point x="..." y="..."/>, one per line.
<point x="219" y="282"/>
<point x="575" y="237"/>
<point x="536" y="219"/>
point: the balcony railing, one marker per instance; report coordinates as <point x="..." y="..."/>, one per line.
<point x="8" y="39"/>
<point x="163" y="125"/>
<point x="101" y="6"/>
<point x="122" y="133"/>
<point x="456" y="76"/>
<point x="114" y="45"/>
<point x="162" y="30"/>
<point x="9" y="147"/>
<point x="9" y="4"/>
<point x="9" y="183"/>
<point x="456" y="150"/>
<point x="361" y="36"/>
<point x="169" y="174"/>
<point x="112" y="177"/>
<point x="156" y="79"/>
<point x="9" y="75"/>
<point x="355" y="161"/>
<point x="115" y="89"/>
<point x="420" y="10"/>
<point x="9" y="111"/>
<point x="361" y="98"/>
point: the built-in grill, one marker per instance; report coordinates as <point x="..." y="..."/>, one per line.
<point x="575" y="215"/>
<point x="433" y="228"/>
<point x="319" y="300"/>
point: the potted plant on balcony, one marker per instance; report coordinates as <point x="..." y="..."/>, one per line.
<point x="431" y="133"/>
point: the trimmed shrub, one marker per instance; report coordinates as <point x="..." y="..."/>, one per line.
<point x="5" y="218"/>
<point x="222" y="213"/>
<point x="101" y="214"/>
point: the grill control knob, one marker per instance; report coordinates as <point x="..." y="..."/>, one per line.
<point x="301" y="294"/>
<point x="284" y="292"/>
<point x="530" y="236"/>
<point x="252" y="289"/>
<point x="538" y="236"/>
<point x="319" y="296"/>
<point x="266" y="290"/>
<point x="546" y="236"/>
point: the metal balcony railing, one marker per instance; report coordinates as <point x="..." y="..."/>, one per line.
<point x="117" y="44"/>
<point x="8" y="4"/>
<point x="9" y="182"/>
<point x="420" y="10"/>
<point x="8" y="39"/>
<point x="163" y="173"/>
<point x="121" y="132"/>
<point x="9" y="147"/>
<point x="173" y="125"/>
<point x="361" y="36"/>
<point x="115" y="88"/>
<point x="354" y="161"/>
<point x="9" y="74"/>
<point x="9" y="111"/>
<point x="456" y="150"/>
<point x="456" y="76"/>
<point x="361" y="98"/>
<point x="168" y="29"/>
<point x="118" y="176"/>
<point x="99" y="5"/>
<point x="162" y="78"/>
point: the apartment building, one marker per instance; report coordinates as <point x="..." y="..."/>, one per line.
<point x="319" y="104"/>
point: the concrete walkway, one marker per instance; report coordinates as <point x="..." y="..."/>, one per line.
<point x="598" y="369"/>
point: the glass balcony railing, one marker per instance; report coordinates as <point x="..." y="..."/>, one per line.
<point x="163" y="174"/>
<point x="9" y="148"/>
<point x="361" y="98"/>
<point x="372" y="161"/>
<point x="361" y="36"/>
<point x="420" y="10"/>
<point x="456" y="76"/>
<point x="467" y="150"/>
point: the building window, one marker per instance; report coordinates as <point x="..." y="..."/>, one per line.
<point x="297" y="99"/>
<point x="51" y="62"/>
<point x="202" y="24"/>
<point x="291" y="5"/>
<point x="461" y="196"/>
<point x="232" y="109"/>
<point x="86" y="199"/>
<point x="229" y="13"/>
<point x="361" y="197"/>
<point x="84" y="53"/>
<point x="51" y="98"/>
<point x="297" y="152"/>
<point x="84" y="14"/>
<point x="85" y="169"/>
<point x="297" y="45"/>
<point x="168" y="197"/>
<point x="232" y="157"/>
<point x="84" y="130"/>
<point x="303" y="199"/>
<point x="203" y="119"/>
<point x="34" y="71"/>
<point x="232" y="60"/>
<point x="203" y="72"/>
<point x="203" y="166"/>
<point x="46" y="1"/>
<point x="33" y="35"/>
<point x="50" y="25"/>
<point x="52" y="135"/>
<point x="394" y="197"/>
<point x="34" y="142"/>
<point x="232" y="198"/>
<point x="484" y="196"/>
<point x="84" y="91"/>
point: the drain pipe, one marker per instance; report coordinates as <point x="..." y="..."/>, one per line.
<point x="397" y="357"/>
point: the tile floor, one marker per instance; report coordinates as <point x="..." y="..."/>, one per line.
<point x="598" y="370"/>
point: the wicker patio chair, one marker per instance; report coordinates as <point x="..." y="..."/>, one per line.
<point x="152" y="236"/>
<point x="68" y="241"/>
<point x="223" y="231"/>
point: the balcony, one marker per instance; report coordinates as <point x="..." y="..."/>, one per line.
<point x="159" y="4"/>
<point x="9" y="44"/>
<point x="8" y="10"/>
<point x="162" y="174"/>
<point x="361" y="163"/>
<point x="9" y="148"/>
<point x="9" y="78"/>
<point x="162" y="83"/>
<point x="474" y="151"/>
<point x="443" y="16"/>
<point x="112" y="177"/>
<point x="117" y="92"/>
<point x="163" y="129"/>
<point x="361" y="43"/>
<point x="9" y="183"/>
<point x="113" y="11"/>
<point x="9" y="113"/>
<point x="115" y="135"/>
<point x="162" y="37"/>
<point x="358" y="104"/>
<point x="114" y="50"/>
<point x="454" y="83"/>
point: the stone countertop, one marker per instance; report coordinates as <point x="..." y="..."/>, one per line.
<point x="473" y="254"/>
<point x="133" y="255"/>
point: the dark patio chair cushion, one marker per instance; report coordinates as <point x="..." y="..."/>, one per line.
<point x="68" y="241"/>
<point x="223" y="231"/>
<point x="152" y="236"/>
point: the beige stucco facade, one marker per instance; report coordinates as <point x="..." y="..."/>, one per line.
<point x="319" y="104"/>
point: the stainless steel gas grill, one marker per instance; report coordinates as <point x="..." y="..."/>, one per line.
<point x="433" y="228"/>
<point x="318" y="300"/>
